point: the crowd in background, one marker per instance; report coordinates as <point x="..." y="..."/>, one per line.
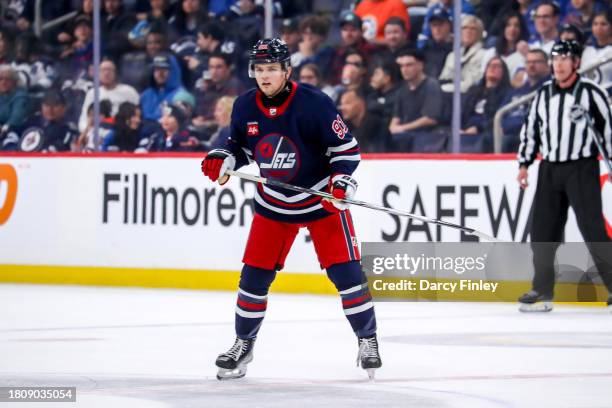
<point x="171" y="69"/>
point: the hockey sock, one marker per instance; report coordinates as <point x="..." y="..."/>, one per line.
<point x="252" y="300"/>
<point x="356" y="300"/>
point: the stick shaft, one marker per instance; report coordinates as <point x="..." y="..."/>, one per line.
<point x="275" y="183"/>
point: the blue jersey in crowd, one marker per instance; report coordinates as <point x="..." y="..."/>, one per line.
<point x="303" y="142"/>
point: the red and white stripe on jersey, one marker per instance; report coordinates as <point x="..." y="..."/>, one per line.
<point x="347" y="151"/>
<point x="301" y="203"/>
<point x="251" y="306"/>
<point x="356" y="299"/>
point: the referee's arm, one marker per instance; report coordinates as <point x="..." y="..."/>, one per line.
<point x="530" y="141"/>
<point x="602" y="116"/>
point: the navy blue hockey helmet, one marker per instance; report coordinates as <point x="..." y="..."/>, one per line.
<point x="269" y="50"/>
<point x="570" y="47"/>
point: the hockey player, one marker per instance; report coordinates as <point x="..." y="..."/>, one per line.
<point x="295" y="134"/>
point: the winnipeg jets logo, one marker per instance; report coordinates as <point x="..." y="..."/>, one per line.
<point x="277" y="156"/>
<point x="339" y="127"/>
<point x="279" y="160"/>
<point x="252" y="128"/>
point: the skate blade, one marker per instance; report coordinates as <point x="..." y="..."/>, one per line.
<point x="371" y="372"/>
<point x="228" y="374"/>
<point x="538" y="307"/>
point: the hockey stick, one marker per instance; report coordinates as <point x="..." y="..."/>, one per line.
<point x="577" y="113"/>
<point x="275" y="183"/>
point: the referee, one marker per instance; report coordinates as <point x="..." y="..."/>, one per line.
<point x="569" y="171"/>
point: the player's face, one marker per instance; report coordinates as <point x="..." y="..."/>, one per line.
<point x="564" y="66"/>
<point x="271" y="78"/>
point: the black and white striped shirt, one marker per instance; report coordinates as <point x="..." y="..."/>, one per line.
<point x="549" y="130"/>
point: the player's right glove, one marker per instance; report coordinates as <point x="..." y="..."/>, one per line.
<point x="216" y="163"/>
<point x="341" y="186"/>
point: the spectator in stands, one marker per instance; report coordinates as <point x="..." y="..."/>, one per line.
<point x="375" y="14"/>
<point x="354" y="74"/>
<point x="165" y="83"/>
<point x="395" y="38"/>
<point x="569" y="32"/>
<point x="188" y="15"/>
<point x="115" y="26"/>
<point x="512" y="47"/>
<point x="446" y="5"/>
<point x="110" y="89"/>
<point x="538" y="71"/>
<point x="479" y="106"/>
<point x="14" y="104"/>
<point x="211" y="39"/>
<point x="18" y="15"/>
<point x="311" y="74"/>
<point x="600" y="48"/>
<point x="495" y="11"/>
<point x="158" y="12"/>
<point x="87" y="141"/>
<point x="290" y="33"/>
<point x="471" y="56"/>
<point x="546" y="19"/>
<point x="218" y="81"/>
<point x="37" y="73"/>
<point x="312" y="48"/>
<point x="48" y="130"/>
<point x="78" y="55"/>
<point x="582" y="12"/>
<point x="437" y="48"/>
<point x="369" y="128"/>
<point x="174" y="137"/>
<point x="418" y="106"/>
<point x="385" y="83"/>
<point x="6" y="47"/>
<point x="132" y="63"/>
<point x="351" y="38"/>
<point x="127" y="132"/>
<point x="66" y="34"/>
<point x="223" y="115"/>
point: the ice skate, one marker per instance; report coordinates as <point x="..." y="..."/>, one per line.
<point x="532" y="301"/>
<point x="233" y="363"/>
<point x="368" y="357"/>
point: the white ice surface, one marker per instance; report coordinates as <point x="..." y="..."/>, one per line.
<point x="149" y="348"/>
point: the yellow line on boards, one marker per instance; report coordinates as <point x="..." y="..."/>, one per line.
<point x="157" y="278"/>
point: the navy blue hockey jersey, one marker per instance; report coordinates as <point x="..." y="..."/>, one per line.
<point x="302" y="142"/>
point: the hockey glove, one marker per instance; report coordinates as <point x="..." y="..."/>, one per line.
<point x="341" y="186"/>
<point x="215" y="164"/>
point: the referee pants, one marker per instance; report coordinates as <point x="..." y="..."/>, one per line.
<point x="561" y="185"/>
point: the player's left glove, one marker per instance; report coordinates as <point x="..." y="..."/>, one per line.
<point x="215" y="164"/>
<point x="341" y="186"/>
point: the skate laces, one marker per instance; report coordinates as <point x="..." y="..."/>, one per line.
<point x="237" y="349"/>
<point x="368" y="347"/>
